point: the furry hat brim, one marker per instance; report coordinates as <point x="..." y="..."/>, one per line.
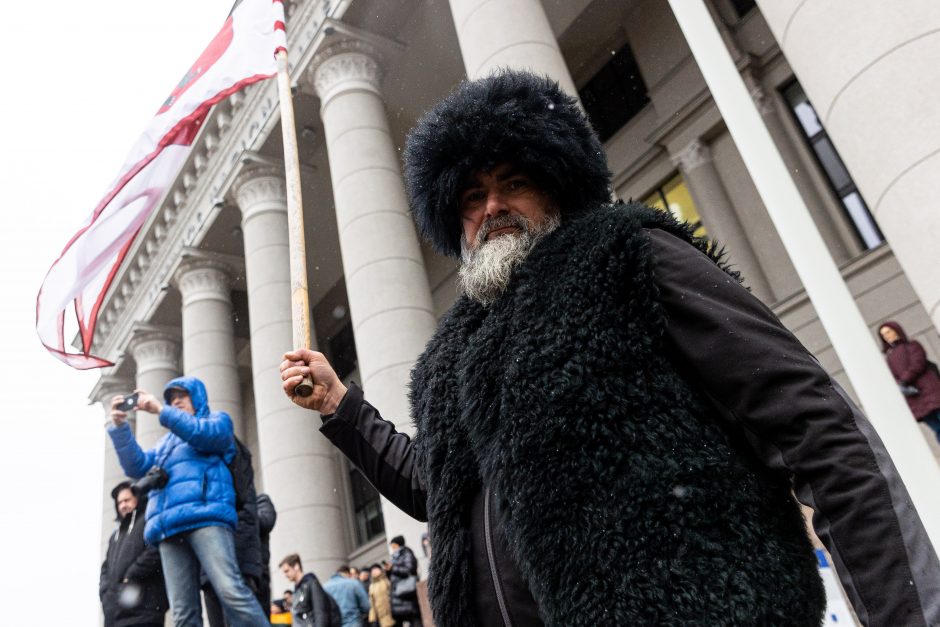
<point x="511" y="116"/>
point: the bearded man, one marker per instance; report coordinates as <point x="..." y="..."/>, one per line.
<point x="609" y="427"/>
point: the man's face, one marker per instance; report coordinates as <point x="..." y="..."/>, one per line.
<point x="500" y="192"/>
<point x="364" y="575"/>
<point x="353" y="573"/>
<point x="288" y="599"/>
<point x="504" y="216"/>
<point x="293" y="573"/>
<point x="181" y="401"/>
<point x="126" y="502"/>
<point x="376" y="572"/>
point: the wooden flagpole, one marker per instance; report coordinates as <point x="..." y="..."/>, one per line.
<point x="300" y="300"/>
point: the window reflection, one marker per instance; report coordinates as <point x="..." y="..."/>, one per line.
<point x="673" y="196"/>
<point x="838" y="176"/>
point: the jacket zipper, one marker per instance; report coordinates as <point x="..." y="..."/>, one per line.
<point x="492" y="560"/>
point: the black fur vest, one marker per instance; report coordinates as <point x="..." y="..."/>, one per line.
<point x="624" y="498"/>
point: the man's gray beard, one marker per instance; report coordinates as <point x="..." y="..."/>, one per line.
<point x="485" y="270"/>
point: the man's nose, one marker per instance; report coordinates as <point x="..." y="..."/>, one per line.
<point x="495" y="205"/>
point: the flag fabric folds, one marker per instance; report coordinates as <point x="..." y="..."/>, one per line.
<point x="70" y="299"/>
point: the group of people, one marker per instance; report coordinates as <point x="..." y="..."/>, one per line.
<point x="381" y="595"/>
<point x="609" y="428"/>
<point x="190" y="523"/>
<point x="205" y="529"/>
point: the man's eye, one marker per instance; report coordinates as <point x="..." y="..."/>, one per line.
<point x="472" y="197"/>
<point x="516" y="184"/>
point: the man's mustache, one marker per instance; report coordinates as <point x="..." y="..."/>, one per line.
<point x="500" y="222"/>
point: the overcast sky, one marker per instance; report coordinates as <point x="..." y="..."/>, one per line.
<point x="81" y="82"/>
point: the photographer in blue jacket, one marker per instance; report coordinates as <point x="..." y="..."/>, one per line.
<point x="191" y="511"/>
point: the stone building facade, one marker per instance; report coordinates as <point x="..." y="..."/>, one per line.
<point x="205" y="289"/>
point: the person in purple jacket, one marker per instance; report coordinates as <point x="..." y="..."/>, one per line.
<point x="916" y="375"/>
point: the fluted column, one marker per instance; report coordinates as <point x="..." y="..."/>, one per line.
<point x="209" y="332"/>
<point x="870" y="70"/>
<point x="386" y="282"/>
<point x="718" y="215"/>
<point x="108" y="387"/>
<point x="156" y="351"/>
<point x="297" y="462"/>
<point x="508" y="34"/>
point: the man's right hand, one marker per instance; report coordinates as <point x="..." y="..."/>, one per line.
<point x="328" y="390"/>
<point x="118" y="417"/>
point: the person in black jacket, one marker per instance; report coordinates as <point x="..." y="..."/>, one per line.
<point x="311" y="606"/>
<point x="131" y="585"/>
<point x="267" y="518"/>
<point x="609" y="428"/>
<point x="403" y="568"/>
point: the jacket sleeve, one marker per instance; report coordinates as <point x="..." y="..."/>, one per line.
<point x="267" y="515"/>
<point x="103" y="578"/>
<point x="796" y="418"/>
<point x="362" y="599"/>
<point x="321" y="604"/>
<point x="209" y="434"/>
<point x="385" y="456"/>
<point x="134" y="460"/>
<point x="916" y="362"/>
<point x="146" y="565"/>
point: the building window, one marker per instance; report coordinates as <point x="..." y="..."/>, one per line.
<point x="743" y="7"/>
<point x="341" y="350"/>
<point x="842" y="184"/>
<point x="673" y="196"/>
<point x="367" y="507"/>
<point x="615" y="94"/>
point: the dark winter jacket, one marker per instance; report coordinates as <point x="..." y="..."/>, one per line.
<point x="247" y="531"/>
<point x="267" y="517"/>
<point x="404" y="565"/>
<point x="615" y="444"/>
<point x="312" y="606"/>
<point x="131" y="565"/>
<point x="194" y="454"/>
<point x="909" y="365"/>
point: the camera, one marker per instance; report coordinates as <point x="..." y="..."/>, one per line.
<point x="129" y="402"/>
<point x="155" y="479"/>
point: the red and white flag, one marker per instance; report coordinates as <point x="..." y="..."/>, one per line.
<point x="70" y="298"/>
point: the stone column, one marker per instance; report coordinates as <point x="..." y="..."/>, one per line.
<point x="298" y="464"/>
<point x="156" y="351"/>
<point x="209" y="333"/>
<point x="718" y="215"/>
<point x="508" y="34"/>
<point x="870" y="71"/>
<point x="386" y="282"/>
<point x="106" y="388"/>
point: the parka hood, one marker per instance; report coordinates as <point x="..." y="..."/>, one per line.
<point x="141" y="500"/>
<point x="511" y="116"/>
<point x="196" y="390"/>
<point x="891" y="324"/>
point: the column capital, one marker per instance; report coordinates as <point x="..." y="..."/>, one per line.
<point x="260" y="186"/>
<point x="108" y="386"/>
<point x="155" y="347"/>
<point x="695" y="154"/>
<point x="202" y="274"/>
<point x="762" y="99"/>
<point x="350" y="64"/>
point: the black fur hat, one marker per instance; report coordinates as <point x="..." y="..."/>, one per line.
<point x="511" y="116"/>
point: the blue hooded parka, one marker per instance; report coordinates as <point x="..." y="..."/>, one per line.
<point x="194" y="454"/>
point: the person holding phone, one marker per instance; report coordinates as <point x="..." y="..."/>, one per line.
<point x="191" y="513"/>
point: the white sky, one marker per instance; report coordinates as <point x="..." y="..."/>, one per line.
<point x="81" y="81"/>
